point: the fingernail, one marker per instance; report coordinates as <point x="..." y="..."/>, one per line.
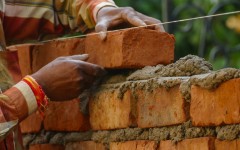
<point x="102" y="35"/>
<point x="85" y="56"/>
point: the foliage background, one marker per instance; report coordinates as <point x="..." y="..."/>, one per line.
<point x="222" y="46"/>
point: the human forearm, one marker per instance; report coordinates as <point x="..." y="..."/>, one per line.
<point x="18" y="102"/>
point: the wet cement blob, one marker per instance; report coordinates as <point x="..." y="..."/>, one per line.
<point x="186" y="66"/>
<point x="228" y="132"/>
<point x="215" y="78"/>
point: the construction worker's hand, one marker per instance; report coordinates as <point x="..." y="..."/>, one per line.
<point x="66" y="77"/>
<point x="109" y="17"/>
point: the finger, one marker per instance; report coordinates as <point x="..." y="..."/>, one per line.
<point x="160" y="28"/>
<point x="85" y="81"/>
<point x="131" y="17"/>
<point x="152" y="21"/>
<point x="102" y="28"/>
<point x="91" y="69"/>
<point x="82" y="57"/>
<point x="134" y="20"/>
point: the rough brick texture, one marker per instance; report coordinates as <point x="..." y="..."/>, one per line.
<point x="134" y="145"/>
<point x="65" y="116"/>
<point x="25" y="62"/>
<point x="133" y="48"/>
<point x="32" y="124"/>
<point x="227" y="145"/>
<point x="216" y="107"/>
<point x="107" y="111"/>
<point x="88" y="145"/>
<point x="160" y="107"/>
<point x="43" y="54"/>
<point x="205" y="143"/>
<point x="167" y="145"/>
<point x="46" y="147"/>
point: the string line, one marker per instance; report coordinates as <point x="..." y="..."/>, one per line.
<point x="162" y="23"/>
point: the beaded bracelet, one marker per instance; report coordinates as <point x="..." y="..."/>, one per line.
<point x="41" y="98"/>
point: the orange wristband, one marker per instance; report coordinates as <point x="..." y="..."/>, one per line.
<point x="42" y="99"/>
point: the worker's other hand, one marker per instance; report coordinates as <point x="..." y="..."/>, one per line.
<point x="66" y="77"/>
<point x="109" y="17"/>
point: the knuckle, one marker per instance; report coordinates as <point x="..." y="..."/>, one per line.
<point x="128" y="10"/>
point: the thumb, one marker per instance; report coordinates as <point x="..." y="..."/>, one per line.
<point x="82" y="57"/>
<point x="102" y="28"/>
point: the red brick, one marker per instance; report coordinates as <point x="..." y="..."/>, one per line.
<point x="227" y="145"/>
<point x="88" y="145"/>
<point x="134" y="145"/>
<point x="216" y="107"/>
<point x="109" y="112"/>
<point x="32" y="124"/>
<point x="133" y="48"/>
<point x="65" y="116"/>
<point x="25" y="60"/>
<point x="167" y="145"/>
<point x="46" y="147"/>
<point x="43" y="54"/>
<point x="205" y="143"/>
<point x="160" y="107"/>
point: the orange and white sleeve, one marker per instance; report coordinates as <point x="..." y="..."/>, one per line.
<point x="81" y="14"/>
<point x="22" y="99"/>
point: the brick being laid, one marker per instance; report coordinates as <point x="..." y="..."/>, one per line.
<point x="132" y="48"/>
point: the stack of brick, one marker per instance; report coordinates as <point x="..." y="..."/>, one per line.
<point x="180" y="106"/>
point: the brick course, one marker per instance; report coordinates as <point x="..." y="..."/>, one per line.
<point x="46" y="147"/>
<point x="216" y="107"/>
<point x="107" y="111"/>
<point x="134" y="145"/>
<point x="32" y="124"/>
<point x="65" y="116"/>
<point x="87" y="145"/>
<point x="160" y="107"/>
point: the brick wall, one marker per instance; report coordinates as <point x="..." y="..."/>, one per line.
<point x="180" y="106"/>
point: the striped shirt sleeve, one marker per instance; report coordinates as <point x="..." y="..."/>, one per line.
<point x="26" y="20"/>
<point x="18" y="102"/>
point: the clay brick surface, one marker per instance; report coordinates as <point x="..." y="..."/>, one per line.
<point x="46" y="147"/>
<point x="109" y="112"/>
<point x="88" y="145"/>
<point x="134" y="145"/>
<point x="43" y="54"/>
<point x="32" y="124"/>
<point x="24" y="58"/>
<point x="160" y="107"/>
<point x="227" y="145"/>
<point x="133" y="48"/>
<point x="216" y="107"/>
<point x="167" y="145"/>
<point x="205" y="143"/>
<point x="65" y="116"/>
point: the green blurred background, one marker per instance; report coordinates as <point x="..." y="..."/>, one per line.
<point x="216" y="39"/>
